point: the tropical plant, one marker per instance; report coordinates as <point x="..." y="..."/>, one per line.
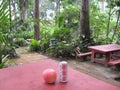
<point x="69" y="17"/>
<point x="19" y="42"/>
<point x="4" y="60"/>
<point x="37" y="21"/>
<point x="98" y="24"/>
<point x="61" y="49"/>
<point x="34" y="45"/>
<point x="6" y="37"/>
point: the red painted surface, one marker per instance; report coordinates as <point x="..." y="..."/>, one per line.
<point x="29" y="77"/>
<point x="115" y="62"/>
<point x="104" y="49"/>
<point x="84" y="54"/>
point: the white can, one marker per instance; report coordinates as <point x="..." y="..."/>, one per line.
<point x="63" y="71"/>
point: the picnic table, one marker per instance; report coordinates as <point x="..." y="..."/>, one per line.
<point x="106" y="50"/>
<point x="29" y="77"/>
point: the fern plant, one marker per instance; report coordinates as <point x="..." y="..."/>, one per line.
<point x="4" y="60"/>
<point x="34" y="45"/>
<point x="5" y="27"/>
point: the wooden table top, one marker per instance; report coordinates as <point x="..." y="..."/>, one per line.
<point x="29" y="77"/>
<point x="105" y="48"/>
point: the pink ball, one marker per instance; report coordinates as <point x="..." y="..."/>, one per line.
<point x="49" y="75"/>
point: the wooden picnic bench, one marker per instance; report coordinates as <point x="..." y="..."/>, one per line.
<point x="105" y="50"/>
<point x="114" y="62"/>
<point x="79" y="54"/>
<point x="116" y="56"/>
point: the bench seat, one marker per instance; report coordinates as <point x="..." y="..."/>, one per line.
<point x="84" y="54"/>
<point x="114" y="62"/>
<point x="115" y="56"/>
<point x="79" y="54"/>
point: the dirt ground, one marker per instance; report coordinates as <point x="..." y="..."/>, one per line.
<point x="96" y="70"/>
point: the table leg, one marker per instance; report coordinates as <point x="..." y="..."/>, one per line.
<point x="93" y="56"/>
<point x="107" y="58"/>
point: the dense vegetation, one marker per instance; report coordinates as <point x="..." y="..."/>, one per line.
<point x="59" y="31"/>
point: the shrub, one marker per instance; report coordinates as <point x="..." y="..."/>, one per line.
<point x="19" y="41"/>
<point x="34" y="45"/>
<point x="44" y="45"/>
<point x="61" y="49"/>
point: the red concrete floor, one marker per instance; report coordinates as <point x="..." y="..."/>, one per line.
<point x="29" y="77"/>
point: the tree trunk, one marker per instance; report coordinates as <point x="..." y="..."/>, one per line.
<point x="108" y="25"/>
<point x="36" y="25"/>
<point x="116" y="26"/>
<point x="23" y="9"/>
<point x="84" y="21"/>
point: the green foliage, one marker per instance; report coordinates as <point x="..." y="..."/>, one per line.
<point x="19" y="42"/>
<point x="0" y="56"/>
<point x="98" y="24"/>
<point x="47" y="29"/>
<point x="5" y="31"/>
<point x="4" y="16"/>
<point x="27" y="34"/>
<point x="60" y="49"/>
<point x="117" y="2"/>
<point x="4" y="60"/>
<point x="2" y="64"/>
<point x="62" y="34"/>
<point x="44" y="45"/>
<point x="34" y="45"/>
<point x="68" y="24"/>
<point x="113" y="3"/>
<point x="69" y="17"/>
<point x="65" y="28"/>
<point x="22" y="32"/>
<point x="48" y="32"/>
